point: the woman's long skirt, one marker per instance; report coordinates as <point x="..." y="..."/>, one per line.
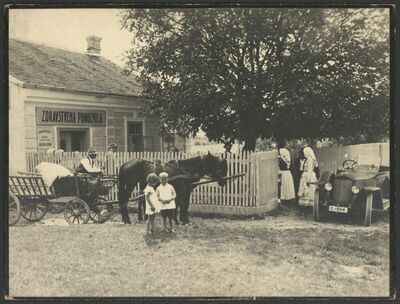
<point x="307" y="189"/>
<point x="287" y="186"/>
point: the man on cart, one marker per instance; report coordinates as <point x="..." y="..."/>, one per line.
<point x="88" y="164"/>
<point x="89" y="167"/>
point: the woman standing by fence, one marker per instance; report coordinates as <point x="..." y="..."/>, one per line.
<point x="308" y="178"/>
<point x="287" y="192"/>
<point x="297" y="169"/>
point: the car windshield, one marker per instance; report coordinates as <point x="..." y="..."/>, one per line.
<point x="370" y="167"/>
<point x="368" y="162"/>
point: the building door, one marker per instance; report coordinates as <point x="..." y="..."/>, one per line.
<point x="168" y="143"/>
<point x="135" y="136"/>
<point x="73" y="140"/>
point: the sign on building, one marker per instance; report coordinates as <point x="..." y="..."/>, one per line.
<point x="45" y="138"/>
<point x="68" y="117"/>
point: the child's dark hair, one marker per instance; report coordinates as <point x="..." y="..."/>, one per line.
<point x="152" y="179"/>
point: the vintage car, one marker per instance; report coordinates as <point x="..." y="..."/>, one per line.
<point x="355" y="190"/>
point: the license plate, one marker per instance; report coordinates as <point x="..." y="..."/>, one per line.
<point x="338" y="209"/>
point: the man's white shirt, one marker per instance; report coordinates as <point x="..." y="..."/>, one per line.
<point x="90" y="165"/>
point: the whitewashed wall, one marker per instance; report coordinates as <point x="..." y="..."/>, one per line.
<point x="16" y="125"/>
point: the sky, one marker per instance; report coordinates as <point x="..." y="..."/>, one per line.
<point x="68" y="29"/>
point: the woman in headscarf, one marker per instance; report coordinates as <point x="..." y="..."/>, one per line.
<point x="308" y="179"/>
<point x="297" y="169"/>
<point x="287" y="186"/>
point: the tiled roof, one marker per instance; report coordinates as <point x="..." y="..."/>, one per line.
<point x="45" y="66"/>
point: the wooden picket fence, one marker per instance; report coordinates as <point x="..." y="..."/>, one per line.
<point x="258" y="187"/>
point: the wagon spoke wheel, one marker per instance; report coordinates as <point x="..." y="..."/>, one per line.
<point x="100" y="212"/>
<point x="34" y="210"/>
<point x="77" y="212"/>
<point x="14" y="209"/>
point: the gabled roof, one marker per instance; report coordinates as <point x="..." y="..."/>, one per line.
<point x="44" y="66"/>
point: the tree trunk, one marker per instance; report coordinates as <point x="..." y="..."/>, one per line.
<point x="228" y="146"/>
<point x="312" y="142"/>
<point x="280" y="143"/>
<point x="250" y="143"/>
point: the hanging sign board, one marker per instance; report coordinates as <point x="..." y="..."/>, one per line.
<point x="70" y="117"/>
<point x="45" y="138"/>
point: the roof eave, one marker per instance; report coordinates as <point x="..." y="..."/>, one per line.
<point x="67" y="90"/>
<point x="13" y="80"/>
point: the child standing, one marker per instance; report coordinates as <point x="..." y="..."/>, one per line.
<point x="152" y="203"/>
<point x="166" y="195"/>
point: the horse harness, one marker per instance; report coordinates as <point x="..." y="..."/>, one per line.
<point x="181" y="172"/>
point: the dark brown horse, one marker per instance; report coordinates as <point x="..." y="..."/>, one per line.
<point x="182" y="173"/>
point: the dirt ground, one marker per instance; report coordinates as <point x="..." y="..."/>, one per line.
<point x="283" y="253"/>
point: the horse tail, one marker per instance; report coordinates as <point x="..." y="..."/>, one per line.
<point x="122" y="186"/>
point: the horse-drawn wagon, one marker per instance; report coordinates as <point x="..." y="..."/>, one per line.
<point x="84" y="197"/>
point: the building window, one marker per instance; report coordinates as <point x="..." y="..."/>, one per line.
<point x="135" y="136"/>
<point x="168" y="143"/>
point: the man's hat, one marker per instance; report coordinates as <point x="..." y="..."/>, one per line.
<point x="113" y="145"/>
<point x="92" y="151"/>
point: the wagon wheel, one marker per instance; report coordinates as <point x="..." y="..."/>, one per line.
<point x="14" y="209"/>
<point x="77" y="212"/>
<point x="34" y="210"/>
<point x="100" y="213"/>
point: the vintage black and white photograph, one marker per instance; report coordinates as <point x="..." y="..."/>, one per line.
<point x="199" y="152"/>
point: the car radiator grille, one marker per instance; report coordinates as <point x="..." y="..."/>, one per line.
<point x="342" y="190"/>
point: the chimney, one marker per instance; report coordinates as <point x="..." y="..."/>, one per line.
<point x="93" y="45"/>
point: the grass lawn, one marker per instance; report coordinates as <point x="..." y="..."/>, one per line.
<point x="284" y="254"/>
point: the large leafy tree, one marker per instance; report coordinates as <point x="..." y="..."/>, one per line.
<point x="240" y="73"/>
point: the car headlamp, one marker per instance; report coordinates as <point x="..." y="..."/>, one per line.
<point x="328" y="186"/>
<point x="355" y="189"/>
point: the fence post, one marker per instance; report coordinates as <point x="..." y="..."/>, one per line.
<point x="255" y="180"/>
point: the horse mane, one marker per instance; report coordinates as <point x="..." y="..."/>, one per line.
<point x="189" y="161"/>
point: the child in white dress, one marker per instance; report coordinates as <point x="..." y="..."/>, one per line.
<point x="152" y="203"/>
<point x="166" y="196"/>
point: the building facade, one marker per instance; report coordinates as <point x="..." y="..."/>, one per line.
<point x="72" y="101"/>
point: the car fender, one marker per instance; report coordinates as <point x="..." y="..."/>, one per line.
<point x="326" y="177"/>
<point x="376" y="196"/>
